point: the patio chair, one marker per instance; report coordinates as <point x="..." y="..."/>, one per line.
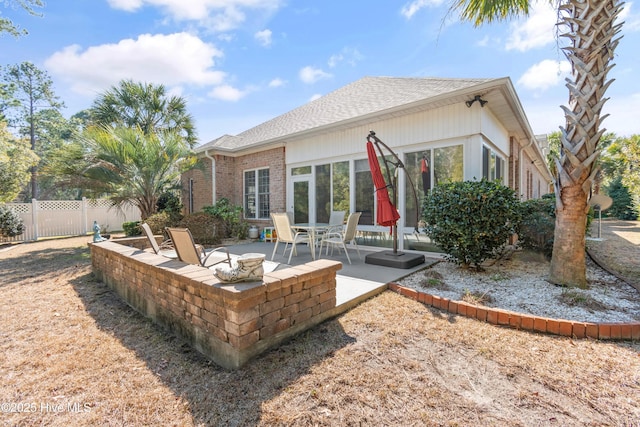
<point x="165" y="248"/>
<point x="341" y="238"/>
<point x="191" y="253"/>
<point x="286" y="235"/>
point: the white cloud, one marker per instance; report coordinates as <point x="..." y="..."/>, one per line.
<point x="535" y="31"/>
<point x="172" y="60"/>
<point x="227" y="93"/>
<point x="311" y="74"/>
<point x="277" y="82"/>
<point x="623" y="110"/>
<point x="217" y="15"/>
<point x="410" y="9"/>
<point x="631" y="20"/>
<point x="545" y="74"/>
<point x="263" y="37"/>
<point x="348" y="54"/>
<point x="315" y="96"/>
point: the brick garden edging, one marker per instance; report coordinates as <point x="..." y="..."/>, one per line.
<point x="228" y="323"/>
<point x="527" y="322"/>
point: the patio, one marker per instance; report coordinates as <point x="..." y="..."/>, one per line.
<point x="356" y="282"/>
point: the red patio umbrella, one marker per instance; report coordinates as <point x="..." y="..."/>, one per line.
<point x="387" y="214"/>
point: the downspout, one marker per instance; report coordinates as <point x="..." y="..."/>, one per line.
<point x="213" y="176"/>
<point x="521" y="172"/>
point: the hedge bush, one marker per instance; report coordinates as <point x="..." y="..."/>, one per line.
<point x="132" y="228"/>
<point x="158" y="221"/>
<point x="230" y="218"/>
<point x="538" y="224"/>
<point x="471" y="220"/>
<point x="204" y="228"/>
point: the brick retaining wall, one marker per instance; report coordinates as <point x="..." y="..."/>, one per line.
<point x="528" y="322"/>
<point x="228" y="323"/>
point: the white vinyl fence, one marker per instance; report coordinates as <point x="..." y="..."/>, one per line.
<point x="53" y="218"/>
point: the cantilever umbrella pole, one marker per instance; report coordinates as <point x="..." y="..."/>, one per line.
<point x="393" y="181"/>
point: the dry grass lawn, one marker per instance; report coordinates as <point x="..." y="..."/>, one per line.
<point x="72" y="353"/>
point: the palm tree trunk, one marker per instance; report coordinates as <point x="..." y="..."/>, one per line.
<point x="591" y="31"/>
<point x="569" y="240"/>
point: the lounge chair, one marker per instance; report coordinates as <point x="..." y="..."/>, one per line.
<point x="165" y="248"/>
<point x="191" y="253"/>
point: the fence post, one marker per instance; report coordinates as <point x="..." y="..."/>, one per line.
<point x="34" y="218"/>
<point x="84" y="215"/>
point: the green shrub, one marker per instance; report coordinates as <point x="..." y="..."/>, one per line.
<point x="158" y="221"/>
<point x="230" y="217"/>
<point x="170" y="203"/>
<point x="538" y="225"/>
<point x="204" y="228"/>
<point x="471" y="220"/>
<point x="11" y="224"/>
<point x="132" y="228"/>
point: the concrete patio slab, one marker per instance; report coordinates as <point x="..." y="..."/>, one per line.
<point x="356" y="282"/>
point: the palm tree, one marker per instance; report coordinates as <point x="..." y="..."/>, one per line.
<point x="136" y="167"/>
<point x="143" y="105"/>
<point x="591" y="31"/>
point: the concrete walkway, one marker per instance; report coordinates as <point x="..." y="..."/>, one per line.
<point x="355" y="283"/>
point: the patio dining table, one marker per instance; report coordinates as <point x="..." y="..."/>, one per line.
<point x="314" y="229"/>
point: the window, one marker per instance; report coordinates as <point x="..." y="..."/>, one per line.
<point x="365" y="196"/>
<point x="323" y="193"/>
<point x="340" y="183"/>
<point x="256" y="194"/>
<point x="448" y="164"/>
<point x="492" y="165"/>
<point x="417" y="167"/>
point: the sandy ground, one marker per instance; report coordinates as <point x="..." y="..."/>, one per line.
<point x="72" y="353"/>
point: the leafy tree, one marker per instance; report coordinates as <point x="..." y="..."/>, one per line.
<point x="7" y="25"/>
<point x="61" y="170"/>
<point x="133" y="166"/>
<point x="622" y="206"/>
<point x="16" y="159"/>
<point x="591" y="31"/>
<point x="145" y="106"/>
<point x="471" y="220"/>
<point x="628" y="154"/>
<point x="27" y="93"/>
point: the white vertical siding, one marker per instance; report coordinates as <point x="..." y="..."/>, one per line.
<point x="495" y="133"/>
<point x="437" y="125"/>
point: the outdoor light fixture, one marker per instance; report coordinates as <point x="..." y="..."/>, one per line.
<point x="477" y="98"/>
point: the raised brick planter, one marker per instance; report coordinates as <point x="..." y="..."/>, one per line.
<point x="228" y="323"/>
<point x="496" y="316"/>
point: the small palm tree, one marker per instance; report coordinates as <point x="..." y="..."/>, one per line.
<point x="591" y="30"/>
<point x="134" y="104"/>
<point x="133" y="166"/>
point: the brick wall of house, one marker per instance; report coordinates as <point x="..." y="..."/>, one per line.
<point x="201" y="187"/>
<point x="230" y="324"/>
<point x="230" y="180"/>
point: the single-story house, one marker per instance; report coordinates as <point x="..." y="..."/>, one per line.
<point x="312" y="160"/>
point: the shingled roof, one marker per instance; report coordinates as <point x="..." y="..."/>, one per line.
<point x="365" y="97"/>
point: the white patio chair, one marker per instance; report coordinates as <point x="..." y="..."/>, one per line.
<point x="286" y="235"/>
<point x="340" y="239"/>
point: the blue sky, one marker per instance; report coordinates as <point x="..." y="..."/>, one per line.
<point x="239" y="63"/>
